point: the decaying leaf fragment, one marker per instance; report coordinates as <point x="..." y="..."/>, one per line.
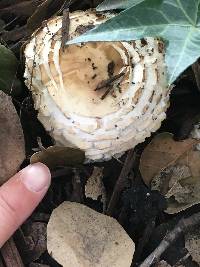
<point x="94" y="187"/>
<point x="102" y="97"/>
<point x="192" y="243"/>
<point x="8" y="70"/>
<point x="173" y="169"/>
<point x="79" y="236"/>
<point x="163" y="264"/>
<point x="12" y="152"/>
<point x="162" y="152"/>
<point x="55" y="156"/>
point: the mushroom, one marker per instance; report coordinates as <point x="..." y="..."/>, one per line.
<point x="102" y="97"/>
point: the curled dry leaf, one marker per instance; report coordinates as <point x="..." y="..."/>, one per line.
<point x="12" y="152"/>
<point x="55" y="156"/>
<point x="162" y="152"/>
<point x="79" y="236"/>
<point x="94" y="187"/>
<point x="192" y="243"/>
<point x="173" y="169"/>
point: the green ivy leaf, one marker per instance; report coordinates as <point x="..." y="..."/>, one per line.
<point x="8" y="70"/>
<point x="176" y="21"/>
<point x="117" y="4"/>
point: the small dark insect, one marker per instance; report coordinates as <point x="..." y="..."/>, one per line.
<point x="111" y="67"/>
<point x="94" y="76"/>
<point x="93" y="66"/>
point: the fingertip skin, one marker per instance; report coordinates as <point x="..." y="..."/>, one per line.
<point x="20" y="196"/>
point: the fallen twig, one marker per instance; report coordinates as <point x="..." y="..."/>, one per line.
<point x="65" y="26"/>
<point x="109" y="81"/>
<point x="107" y="92"/>
<point x="143" y="241"/>
<point x="121" y="182"/>
<point x="183" y="226"/>
<point x="77" y="195"/>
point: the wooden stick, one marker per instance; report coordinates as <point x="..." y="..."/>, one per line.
<point x="121" y="182"/>
<point x="109" y="81"/>
<point x="183" y="226"/>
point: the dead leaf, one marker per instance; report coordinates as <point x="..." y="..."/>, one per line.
<point x="178" y="178"/>
<point x="79" y="236"/>
<point x="192" y="243"/>
<point x="35" y="239"/>
<point x="23" y="8"/>
<point x="181" y="189"/>
<point x="12" y="152"/>
<point x="44" y="11"/>
<point x="34" y="264"/>
<point x="8" y="71"/>
<point x="94" y="187"/>
<point x="15" y="34"/>
<point x="161" y="153"/>
<point x="55" y="156"/>
<point x="163" y="264"/>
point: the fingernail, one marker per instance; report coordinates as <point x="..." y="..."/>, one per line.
<point x="36" y="177"/>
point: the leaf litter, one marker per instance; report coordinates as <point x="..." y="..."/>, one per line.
<point x="179" y="165"/>
<point x="79" y="236"/>
<point x="12" y="152"/>
<point x="173" y="169"/>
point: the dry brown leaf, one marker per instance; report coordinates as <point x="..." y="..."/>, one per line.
<point x="177" y="173"/>
<point x="180" y="188"/>
<point x="55" y="156"/>
<point x="43" y="11"/>
<point x="192" y="243"/>
<point x="79" y="236"/>
<point x="163" y="264"/>
<point x="12" y="148"/>
<point x="94" y="187"/>
<point x="161" y="153"/>
<point x="23" y="8"/>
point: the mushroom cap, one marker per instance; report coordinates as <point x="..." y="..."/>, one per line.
<point x="65" y="85"/>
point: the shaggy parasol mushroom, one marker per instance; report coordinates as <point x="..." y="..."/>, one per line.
<point x="102" y="97"/>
